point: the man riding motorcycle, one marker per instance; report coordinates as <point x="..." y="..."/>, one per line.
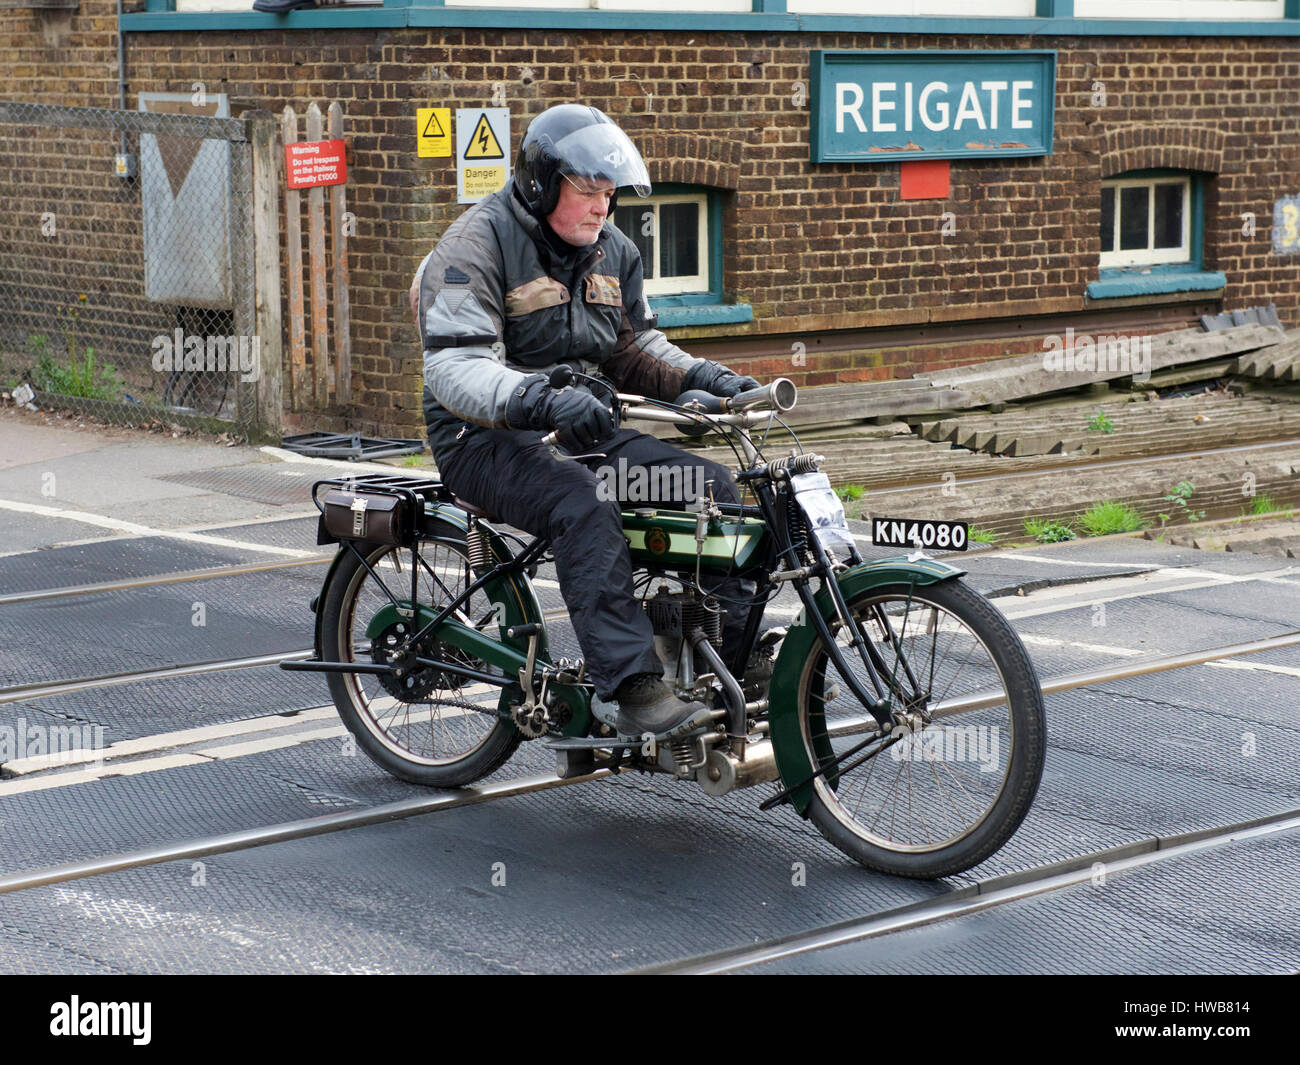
<point x="529" y="278"/>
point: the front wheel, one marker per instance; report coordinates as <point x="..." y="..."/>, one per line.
<point x="965" y="766"/>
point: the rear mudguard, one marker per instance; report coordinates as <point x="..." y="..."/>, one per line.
<point x="518" y="606"/>
<point x="783" y="715"/>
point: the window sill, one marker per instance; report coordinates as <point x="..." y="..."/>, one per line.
<point x="702" y="314"/>
<point x="1155" y="283"/>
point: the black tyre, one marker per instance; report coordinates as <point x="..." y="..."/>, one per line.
<point x="432" y="728"/>
<point x="964" y="771"/>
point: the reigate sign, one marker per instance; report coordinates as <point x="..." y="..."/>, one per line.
<point x="873" y="106"/>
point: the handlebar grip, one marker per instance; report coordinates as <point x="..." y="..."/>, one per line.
<point x="781" y="395"/>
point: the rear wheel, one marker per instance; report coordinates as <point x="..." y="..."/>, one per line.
<point x="965" y="767"/>
<point x="430" y="727"/>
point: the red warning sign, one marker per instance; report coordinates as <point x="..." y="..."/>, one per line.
<point x="312" y="163"/>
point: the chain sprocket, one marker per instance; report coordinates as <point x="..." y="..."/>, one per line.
<point x="416" y="682"/>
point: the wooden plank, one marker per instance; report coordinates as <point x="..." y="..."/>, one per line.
<point x="1167" y="350"/>
<point x="320" y="341"/>
<point x="299" y="382"/>
<point x="1023" y="444"/>
<point x="937" y="431"/>
<point x="1204" y="371"/>
<point x="342" y="311"/>
<point x="266" y="275"/>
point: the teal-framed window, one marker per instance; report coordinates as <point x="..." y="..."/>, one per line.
<point x="1152" y="234"/>
<point x="678" y="230"/>
<point x="672" y="229"/>
<point x="1149" y="218"/>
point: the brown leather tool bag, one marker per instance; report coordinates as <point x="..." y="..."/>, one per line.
<point x="369" y="516"/>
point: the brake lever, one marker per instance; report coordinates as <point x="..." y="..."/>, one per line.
<point x="552" y="441"/>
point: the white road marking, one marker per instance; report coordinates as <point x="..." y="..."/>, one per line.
<point x="270" y="743"/>
<point x="165" y="740"/>
<point x="343" y="465"/>
<point x="145" y="530"/>
<point x="293" y="515"/>
<point x="85" y="776"/>
<point x="1069" y="561"/>
<point x="1096" y="648"/>
<point x="1286" y="671"/>
<point x="1158" y="582"/>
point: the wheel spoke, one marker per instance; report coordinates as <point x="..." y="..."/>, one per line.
<point x="923" y="638"/>
<point x="424" y="718"/>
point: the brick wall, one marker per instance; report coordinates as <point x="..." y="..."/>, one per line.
<point x="814" y="248"/>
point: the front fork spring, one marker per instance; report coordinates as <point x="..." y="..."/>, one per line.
<point x="683" y="757"/>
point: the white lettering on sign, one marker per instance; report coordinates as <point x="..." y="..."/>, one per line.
<point x="878" y="89"/>
<point x="942" y="108"/>
<point x="1018" y="104"/>
<point x="979" y="105"/>
<point x="970" y="108"/>
<point x="843" y="106"/>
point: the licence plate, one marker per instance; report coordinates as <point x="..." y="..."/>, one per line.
<point x="917" y="532"/>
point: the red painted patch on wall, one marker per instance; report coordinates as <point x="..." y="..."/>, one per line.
<point x="923" y="179"/>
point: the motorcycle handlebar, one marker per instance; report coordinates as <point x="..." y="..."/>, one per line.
<point x="780" y="395"/>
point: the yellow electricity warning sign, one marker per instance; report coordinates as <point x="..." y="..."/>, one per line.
<point x="482" y="152"/>
<point x="483" y="143"/>
<point x="433" y="132"/>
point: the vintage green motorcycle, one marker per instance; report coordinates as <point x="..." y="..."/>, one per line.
<point x="897" y="708"/>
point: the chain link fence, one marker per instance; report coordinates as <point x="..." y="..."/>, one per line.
<point x="126" y="265"/>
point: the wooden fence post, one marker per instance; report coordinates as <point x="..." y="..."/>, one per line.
<point x="299" y="383"/>
<point x="342" y="314"/>
<point x="316" y="253"/>
<point x="266" y="273"/>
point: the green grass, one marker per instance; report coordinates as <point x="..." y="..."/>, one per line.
<point x="83" y="376"/>
<point x="1108" y="516"/>
<point x="850" y="492"/>
<point x="976" y="535"/>
<point x="1264" y="504"/>
<point x="1100" y="422"/>
<point x="412" y="461"/>
<point x="1048" y="531"/>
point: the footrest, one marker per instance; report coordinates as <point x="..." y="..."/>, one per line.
<point x="590" y="743"/>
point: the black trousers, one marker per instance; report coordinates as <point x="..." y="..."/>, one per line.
<point x="516" y="479"/>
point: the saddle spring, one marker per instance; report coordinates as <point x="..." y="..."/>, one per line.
<point x="477" y="547"/>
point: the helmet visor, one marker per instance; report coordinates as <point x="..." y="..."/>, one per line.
<point x="603" y="152"/>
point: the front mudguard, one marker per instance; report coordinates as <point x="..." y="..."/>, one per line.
<point x="783" y="713"/>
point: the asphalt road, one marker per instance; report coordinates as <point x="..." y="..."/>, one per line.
<point x="634" y="870"/>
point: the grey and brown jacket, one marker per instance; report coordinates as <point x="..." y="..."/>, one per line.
<point x="497" y="300"/>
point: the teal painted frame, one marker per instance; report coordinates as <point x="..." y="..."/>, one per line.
<point x="1052" y="18"/>
<point x="713" y="225"/>
<point x="1191" y="276"/>
<point x="1196" y="238"/>
<point x="701" y="308"/>
<point x="819" y="59"/>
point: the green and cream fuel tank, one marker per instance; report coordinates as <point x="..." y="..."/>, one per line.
<point x="667" y="538"/>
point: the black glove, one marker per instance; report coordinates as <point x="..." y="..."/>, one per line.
<point x="580" y="418"/>
<point x="717" y="380"/>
